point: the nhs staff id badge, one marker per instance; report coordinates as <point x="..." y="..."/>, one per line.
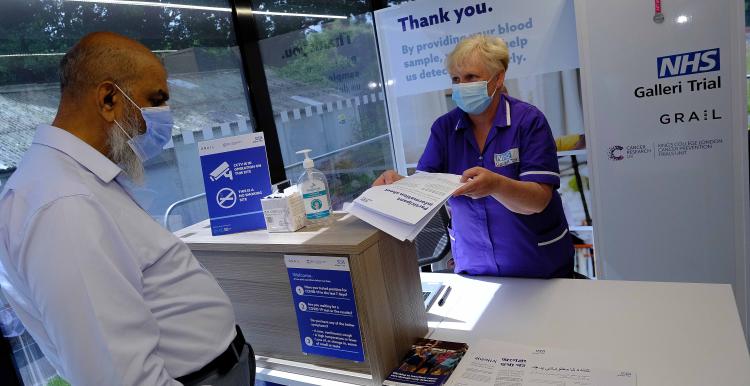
<point x="507" y="158"/>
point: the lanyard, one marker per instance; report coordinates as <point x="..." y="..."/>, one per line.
<point x="658" y="16"/>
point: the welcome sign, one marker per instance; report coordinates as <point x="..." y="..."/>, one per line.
<point x="325" y="305"/>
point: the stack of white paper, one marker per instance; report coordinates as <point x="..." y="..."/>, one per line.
<point x="506" y="364"/>
<point x="403" y="208"/>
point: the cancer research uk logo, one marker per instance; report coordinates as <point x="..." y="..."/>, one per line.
<point x="619" y="153"/>
<point x="615" y="153"/>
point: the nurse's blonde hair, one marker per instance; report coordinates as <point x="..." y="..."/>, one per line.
<point x="491" y="51"/>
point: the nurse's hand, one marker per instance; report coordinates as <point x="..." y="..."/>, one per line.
<point x="479" y="182"/>
<point x="388" y="177"/>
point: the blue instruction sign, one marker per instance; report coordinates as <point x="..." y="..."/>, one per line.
<point x="235" y="175"/>
<point x="326" y="310"/>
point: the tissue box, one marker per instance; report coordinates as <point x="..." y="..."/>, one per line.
<point x="284" y="212"/>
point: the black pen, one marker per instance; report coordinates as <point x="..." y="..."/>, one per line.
<point x="445" y="296"/>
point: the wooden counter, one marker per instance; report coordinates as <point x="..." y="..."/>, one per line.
<point x="250" y="268"/>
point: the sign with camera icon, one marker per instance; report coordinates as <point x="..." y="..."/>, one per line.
<point x="236" y="177"/>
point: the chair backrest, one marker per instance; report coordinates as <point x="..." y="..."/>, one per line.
<point x="433" y="243"/>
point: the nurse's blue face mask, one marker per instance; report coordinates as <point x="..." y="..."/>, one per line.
<point x="472" y="97"/>
<point x="159" y="122"/>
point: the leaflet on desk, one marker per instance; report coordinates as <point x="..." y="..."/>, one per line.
<point x="500" y="363"/>
<point x="403" y="208"/>
<point x="428" y="363"/>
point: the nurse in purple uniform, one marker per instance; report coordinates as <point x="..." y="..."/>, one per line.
<point x="507" y="220"/>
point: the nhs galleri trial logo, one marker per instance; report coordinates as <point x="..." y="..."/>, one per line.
<point x="688" y="63"/>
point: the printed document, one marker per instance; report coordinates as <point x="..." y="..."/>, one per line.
<point x="403" y="208"/>
<point x="506" y="364"/>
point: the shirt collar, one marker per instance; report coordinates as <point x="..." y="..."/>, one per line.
<point x="80" y="151"/>
<point x="502" y="117"/>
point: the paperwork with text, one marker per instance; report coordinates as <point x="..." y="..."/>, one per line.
<point x="507" y="364"/>
<point x="403" y="208"/>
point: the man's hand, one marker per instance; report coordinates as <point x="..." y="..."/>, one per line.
<point x="388" y="177"/>
<point x="479" y="182"/>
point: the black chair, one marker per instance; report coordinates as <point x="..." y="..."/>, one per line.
<point x="8" y="371"/>
<point x="432" y="242"/>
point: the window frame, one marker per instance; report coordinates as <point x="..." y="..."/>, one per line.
<point x="259" y="97"/>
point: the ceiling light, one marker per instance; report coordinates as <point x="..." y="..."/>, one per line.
<point x="203" y="8"/>
<point x="63" y="53"/>
<point x="153" y="4"/>
<point x="298" y="14"/>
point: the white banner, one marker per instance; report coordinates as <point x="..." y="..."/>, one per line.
<point x="666" y="131"/>
<point x="415" y="37"/>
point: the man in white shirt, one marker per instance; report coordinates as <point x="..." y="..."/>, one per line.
<point x="110" y="296"/>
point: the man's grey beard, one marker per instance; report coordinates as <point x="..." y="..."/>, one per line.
<point x="119" y="150"/>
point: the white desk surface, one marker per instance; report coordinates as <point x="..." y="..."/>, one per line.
<point x="667" y="333"/>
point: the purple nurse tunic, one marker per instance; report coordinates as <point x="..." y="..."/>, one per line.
<point x="486" y="237"/>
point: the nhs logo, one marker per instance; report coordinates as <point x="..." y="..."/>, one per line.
<point x="688" y="63"/>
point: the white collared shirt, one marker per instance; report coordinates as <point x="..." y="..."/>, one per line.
<point x="111" y="297"/>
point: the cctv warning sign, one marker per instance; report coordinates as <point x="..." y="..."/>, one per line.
<point x="235" y="175"/>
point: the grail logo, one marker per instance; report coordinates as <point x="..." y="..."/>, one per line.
<point x="688" y="63"/>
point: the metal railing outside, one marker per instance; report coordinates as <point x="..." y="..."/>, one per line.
<point x="176" y="204"/>
<point x="330" y="153"/>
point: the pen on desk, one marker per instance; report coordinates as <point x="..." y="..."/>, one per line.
<point x="445" y="296"/>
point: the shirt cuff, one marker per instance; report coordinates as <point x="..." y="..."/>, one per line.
<point x="541" y="176"/>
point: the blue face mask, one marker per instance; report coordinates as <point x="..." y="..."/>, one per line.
<point x="472" y="97"/>
<point x="159" y="124"/>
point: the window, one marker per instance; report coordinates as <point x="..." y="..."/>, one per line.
<point x="207" y="90"/>
<point x="326" y="92"/>
<point x="197" y="47"/>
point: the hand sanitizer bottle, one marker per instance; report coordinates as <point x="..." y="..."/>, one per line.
<point x="314" y="188"/>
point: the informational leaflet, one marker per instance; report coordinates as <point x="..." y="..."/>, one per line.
<point x="429" y="362"/>
<point x="326" y="309"/>
<point x="403" y="208"/>
<point x="506" y="364"/>
<point x="235" y="175"/>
